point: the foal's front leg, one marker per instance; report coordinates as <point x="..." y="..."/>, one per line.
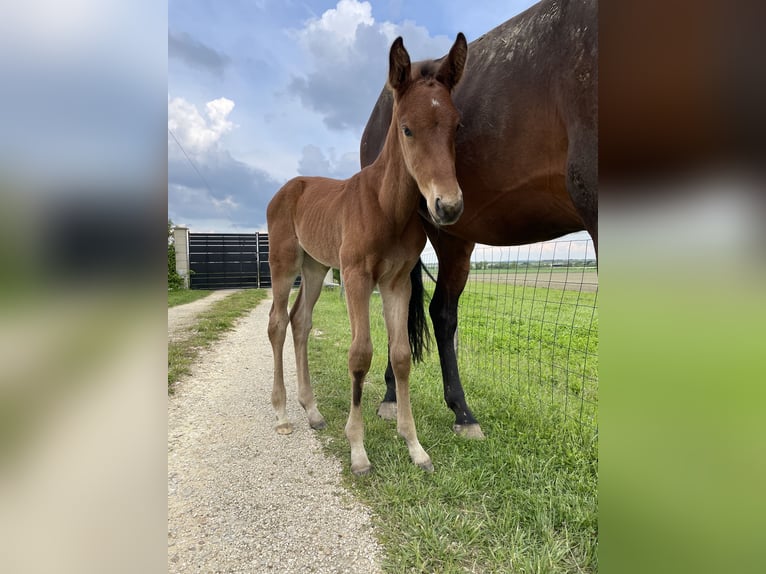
<point x="395" y="307"/>
<point x="358" y="290"/>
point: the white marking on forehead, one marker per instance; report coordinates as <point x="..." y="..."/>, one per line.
<point x="434" y="102"/>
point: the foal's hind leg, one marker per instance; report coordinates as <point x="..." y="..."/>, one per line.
<point x="312" y="277"/>
<point x="395" y="306"/>
<point x="283" y="261"/>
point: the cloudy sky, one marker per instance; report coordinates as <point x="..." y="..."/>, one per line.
<point x="260" y="91"/>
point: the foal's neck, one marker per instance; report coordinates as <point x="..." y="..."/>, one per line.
<point x="397" y="191"/>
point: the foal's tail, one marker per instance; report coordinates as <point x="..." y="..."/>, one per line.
<point x="417" y="326"/>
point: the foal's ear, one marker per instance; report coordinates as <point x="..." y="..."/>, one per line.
<point x="451" y="69"/>
<point x="398" y="66"/>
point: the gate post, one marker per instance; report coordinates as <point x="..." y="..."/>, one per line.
<point x="181" y="241"/>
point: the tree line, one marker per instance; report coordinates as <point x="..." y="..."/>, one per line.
<point x="533" y="264"/>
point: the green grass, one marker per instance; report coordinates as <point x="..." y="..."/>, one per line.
<point x="541" y="343"/>
<point x="181" y="296"/>
<point x="210" y="326"/>
<point x="522" y="500"/>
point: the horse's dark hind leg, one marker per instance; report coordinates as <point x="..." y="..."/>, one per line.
<point x="454" y="264"/>
<point x="387" y="408"/>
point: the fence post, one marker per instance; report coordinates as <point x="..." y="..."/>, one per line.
<point x="181" y="241"/>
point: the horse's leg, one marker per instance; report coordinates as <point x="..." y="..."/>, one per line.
<point x="284" y="262"/>
<point x="396" y="295"/>
<point x="387" y="408"/>
<point x="454" y="264"/>
<point x="582" y="178"/>
<point x="358" y="290"/>
<point x="312" y="276"/>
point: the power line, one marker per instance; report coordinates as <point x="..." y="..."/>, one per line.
<point x="207" y="185"/>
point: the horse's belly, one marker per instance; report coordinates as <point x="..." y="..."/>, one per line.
<point x="534" y="212"/>
<point x="320" y="243"/>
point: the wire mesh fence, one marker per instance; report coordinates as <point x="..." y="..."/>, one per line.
<point x="528" y="319"/>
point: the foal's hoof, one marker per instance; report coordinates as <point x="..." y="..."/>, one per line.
<point x="387" y="411"/>
<point x="361" y="471"/>
<point x="428" y="466"/>
<point x="284" y="428"/>
<point x="316" y="420"/>
<point x="318" y="425"/>
<point x="472" y="431"/>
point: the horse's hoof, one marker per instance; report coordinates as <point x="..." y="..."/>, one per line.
<point x="387" y="411"/>
<point x="472" y="431"/>
<point x="284" y="428"/>
<point x="428" y="466"/>
<point x="362" y="470"/>
<point x="318" y="425"/>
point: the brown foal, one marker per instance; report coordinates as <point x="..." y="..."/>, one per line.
<point x="368" y="227"/>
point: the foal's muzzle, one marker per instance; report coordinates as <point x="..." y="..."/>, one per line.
<point x="447" y="213"/>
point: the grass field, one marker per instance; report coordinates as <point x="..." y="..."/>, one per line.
<point x="522" y="500"/>
<point x="570" y="278"/>
<point x="539" y="344"/>
<point x="181" y="296"/>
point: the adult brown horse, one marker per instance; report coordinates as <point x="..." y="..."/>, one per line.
<point x="526" y="157"/>
<point x="368" y="226"/>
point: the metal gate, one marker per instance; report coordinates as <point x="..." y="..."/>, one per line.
<point x="264" y="271"/>
<point x="229" y="260"/>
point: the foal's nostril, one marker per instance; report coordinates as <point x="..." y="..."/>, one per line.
<point x="439" y="208"/>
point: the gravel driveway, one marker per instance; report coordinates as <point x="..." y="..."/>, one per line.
<point x="242" y="498"/>
<point x="182" y="317"/>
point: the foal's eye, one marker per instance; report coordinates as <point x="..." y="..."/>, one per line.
<point x="407" y="131"/>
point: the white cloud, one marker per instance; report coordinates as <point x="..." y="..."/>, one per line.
<point x="212" y="185"/>
<point x="339" y="23"/>
<point x="225" y="204"/>
<point x="348" y="50"/>
<point x="196" y="133"/>
<point x="315" y="162"/>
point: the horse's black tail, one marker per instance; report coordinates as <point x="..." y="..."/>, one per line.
<point x="417" y="326"/>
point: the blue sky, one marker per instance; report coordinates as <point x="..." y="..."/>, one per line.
<point x="260" y="91"/>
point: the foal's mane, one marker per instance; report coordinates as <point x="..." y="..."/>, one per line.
<point x="426" y="69"/>
<point x="427" y="72"/>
